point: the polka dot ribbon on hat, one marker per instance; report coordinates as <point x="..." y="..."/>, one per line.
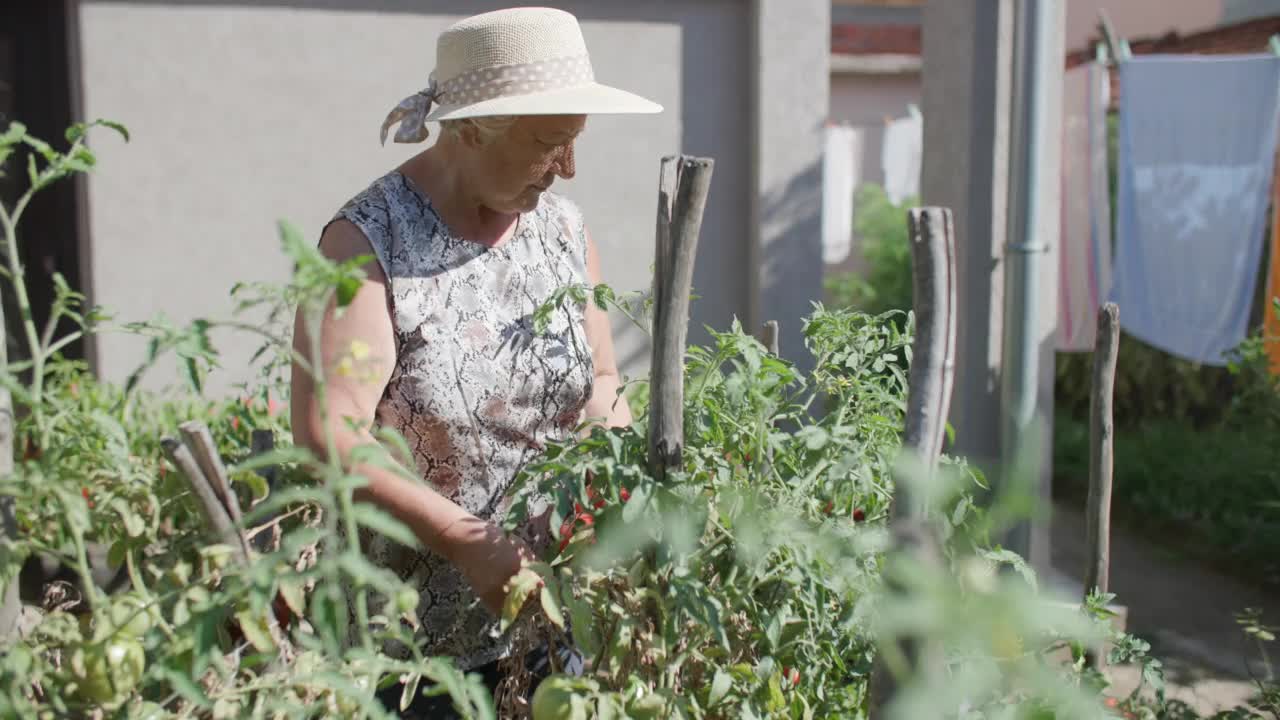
<point x="411" y="113"/>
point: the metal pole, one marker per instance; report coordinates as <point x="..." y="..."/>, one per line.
<point x="1034" y="164"/>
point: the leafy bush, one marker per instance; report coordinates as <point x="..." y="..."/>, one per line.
<point x="882" y="226"/>
<point x="195" y="634"/>
<point x="1212" y="489"/>
<point x="747" y="584"/>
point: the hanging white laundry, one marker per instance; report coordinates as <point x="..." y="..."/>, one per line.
<point x="839" y="175"/>
<point x="900" y="157"/>
<point x="1197" y="149"/>
<point x="1085" y="249"/>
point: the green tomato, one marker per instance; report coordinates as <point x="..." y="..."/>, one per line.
<point x="406" y="600"/>
<point x="649" y="707"/>
<point x="131" y="616"/>
<point x="551" y="701"/>
<point x="112" y="670"/>
<point x="147" y="711"/>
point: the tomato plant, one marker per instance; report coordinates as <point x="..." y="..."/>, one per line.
<point x="747" y="584"/>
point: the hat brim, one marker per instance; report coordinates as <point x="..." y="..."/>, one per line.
<point x="591" y="99"/>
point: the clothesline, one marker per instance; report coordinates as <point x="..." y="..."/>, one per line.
<point x="1197" y="152"/>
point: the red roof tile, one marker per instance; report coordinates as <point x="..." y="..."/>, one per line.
<point x="857" y="39"/>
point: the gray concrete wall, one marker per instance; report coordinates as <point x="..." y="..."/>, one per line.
<point x="791" y="57"/>
<point x="866" y="101"/>
<point x="246" y="112"/>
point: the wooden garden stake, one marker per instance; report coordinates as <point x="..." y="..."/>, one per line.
<point x="1101" y="454"/>
<point x="928" y="401"/>
<point x="933" y="348"/>
<point x="682" y="196"/>
<point x="197" y="437"/>
<point x="211" y="506"/>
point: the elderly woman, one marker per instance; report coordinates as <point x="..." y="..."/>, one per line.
<point x="468" y="241"/>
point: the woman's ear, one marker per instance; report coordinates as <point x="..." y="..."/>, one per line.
<point x="469" y="134"/>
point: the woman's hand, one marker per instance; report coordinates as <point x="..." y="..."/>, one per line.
<point x="488" y="558"/>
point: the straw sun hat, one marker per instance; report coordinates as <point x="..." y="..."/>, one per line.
<point x="521" y="61"/>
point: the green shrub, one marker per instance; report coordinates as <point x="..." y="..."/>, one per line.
<point x="882" y="226"/>
<point x="1214" y="489"/>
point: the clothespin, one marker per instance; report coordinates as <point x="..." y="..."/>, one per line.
<point x="1118" y="48"/>
<point x="1100" y="54"/>
<point x="1275" y="44"/>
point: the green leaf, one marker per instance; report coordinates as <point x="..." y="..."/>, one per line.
<point x="116" y="555"/>
<point x="45" y="149"/>
<point x="257" y="484"/>
<point x="720" y="686"/>
<point x="192" y="372"/>
<point x="584" y="630"/>
<point x="185" y="686"/>
<point x="134" y="525"/>
<point x="814" y="437"/>
<point x="346" y="290"/>
<point x="777" y="701"/>
<point x="773" y="632"/>
<point x="256" y="631"/>
<point x="633" y="508"/>
<point x="603" y="295"/>
<point x="383" y="523"/>
<point x="205" y="640"/>
<point x="410" y="692"/>
<point x="291" y="589"/>
<point x="551" y="606"/>
<point x="1014" y="560"/>
<point x="118" y="127"/>
<point x="522" y="585"/>
<point x="279" y="456"/>
<point x="13" y="134"/>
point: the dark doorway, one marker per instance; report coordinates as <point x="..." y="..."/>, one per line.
<point x="37" y="77"/>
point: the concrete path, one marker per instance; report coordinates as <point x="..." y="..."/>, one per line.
<point x="1184" y="608"/>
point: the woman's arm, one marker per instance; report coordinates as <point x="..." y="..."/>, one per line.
<point x="484" y="554"/>
<point x="605" y="405"/>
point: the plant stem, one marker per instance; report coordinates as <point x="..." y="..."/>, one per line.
<point x="82" y="568"/>
<point x="346" y="504"/>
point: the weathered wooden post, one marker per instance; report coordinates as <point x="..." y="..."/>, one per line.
<point x="10" y="603"/>
<point x="682" y="196"/>
<point x="1097" y="574"/>
<point x="928" y="399"/>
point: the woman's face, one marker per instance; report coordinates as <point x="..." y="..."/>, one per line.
<point x="520" y="165"/>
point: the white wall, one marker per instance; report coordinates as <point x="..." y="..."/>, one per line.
<point x="246" y="112"/>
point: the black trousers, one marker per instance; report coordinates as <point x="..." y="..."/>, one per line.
<point x="440" y="707"/>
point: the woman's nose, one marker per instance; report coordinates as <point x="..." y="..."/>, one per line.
<point x="564" y="166"/>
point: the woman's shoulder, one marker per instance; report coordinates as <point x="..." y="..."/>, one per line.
<point x="383" y="193"/>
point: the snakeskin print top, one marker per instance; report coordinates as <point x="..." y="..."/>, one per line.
<point x="475" y="391"/>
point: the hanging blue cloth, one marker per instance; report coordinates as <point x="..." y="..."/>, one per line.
<point x="1197" y="149"/>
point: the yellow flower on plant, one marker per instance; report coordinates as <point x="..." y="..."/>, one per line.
<point x="359" y="349"/>
<point x="345" y="367"/>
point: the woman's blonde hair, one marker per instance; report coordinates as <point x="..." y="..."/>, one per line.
<point x="488" y="129"/>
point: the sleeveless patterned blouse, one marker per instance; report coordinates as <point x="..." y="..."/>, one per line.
<point x="475" y="391"/>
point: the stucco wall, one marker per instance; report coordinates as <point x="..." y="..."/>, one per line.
<point x="243" y="113"/>
<point x="865" y="102"/>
